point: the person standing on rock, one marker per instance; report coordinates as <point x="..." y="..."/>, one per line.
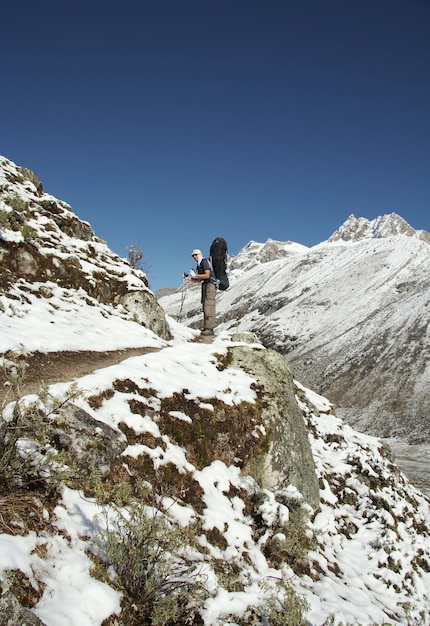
<point x="205" y="275"/>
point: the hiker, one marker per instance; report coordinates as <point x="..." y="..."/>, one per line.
<point x="205" y="275"/>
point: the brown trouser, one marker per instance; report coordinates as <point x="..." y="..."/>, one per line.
<point x="208" y="301"/>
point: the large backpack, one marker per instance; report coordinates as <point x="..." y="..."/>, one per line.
<point x="218" y="257"/>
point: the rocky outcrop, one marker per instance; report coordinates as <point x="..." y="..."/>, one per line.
<point x="41" y="240"/>
<point x="289" y="458"/>
<point x="146" y="311"/>
<point x="357" y="228"/>
<point x="87" y="442"/>
<point x="12" y="613"/>
<point x="268" y="440"/>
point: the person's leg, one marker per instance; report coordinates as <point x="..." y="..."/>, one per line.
<point x="209" y="306"/>
<point x="203" y="299"/>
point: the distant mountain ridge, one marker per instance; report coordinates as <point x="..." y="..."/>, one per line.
<point x="255" y="253"/>
<point x="356" y="229"/>
<point x="351" y="315"/>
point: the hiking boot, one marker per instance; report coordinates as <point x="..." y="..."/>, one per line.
<point x="207" y="331"/>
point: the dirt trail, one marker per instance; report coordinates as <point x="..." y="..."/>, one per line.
<point x="55" y="367"/>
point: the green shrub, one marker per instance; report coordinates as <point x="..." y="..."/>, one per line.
<point x="16" y="202"/>
<point x="292" y="543"/>
<point x="280" y="606"/>
<point x="4" y="219"/>
<point x="148" y="553"/>
<point x="285" y="607"/>
<point x="26" y="456"/>
<point x="28" y="232"/>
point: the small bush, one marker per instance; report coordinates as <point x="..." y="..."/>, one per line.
<point x="292" y="543"/>
<point x="4" y="219"/>
<point x="290" y="540"/>
<point x="280" y="606"/>
<point x="148" y="553"/>
<point x="26" y="456"/>
<point x="285" y="607"/>
<point x="27" y="232"/>
<point x="16" y="202"/>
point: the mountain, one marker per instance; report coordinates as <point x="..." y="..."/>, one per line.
<point x="196" y="483"/>
<point x="350" y="314"/>
<point x="356" y="229"/>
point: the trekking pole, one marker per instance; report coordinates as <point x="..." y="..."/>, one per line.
<point x="184" y="293"/>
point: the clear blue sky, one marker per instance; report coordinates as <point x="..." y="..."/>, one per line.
<point x="167" y="123"/>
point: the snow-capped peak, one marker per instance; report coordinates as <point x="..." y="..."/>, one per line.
<point x="255" y="253"/>
<point x="390" y="225"/>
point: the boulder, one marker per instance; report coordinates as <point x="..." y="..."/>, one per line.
<point x="289" y="460"/>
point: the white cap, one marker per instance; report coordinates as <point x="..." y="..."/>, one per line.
<point x="196" y="251"/>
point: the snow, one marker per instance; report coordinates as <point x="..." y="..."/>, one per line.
<point x="83" y="324"/>
<point x="362" y="589"/>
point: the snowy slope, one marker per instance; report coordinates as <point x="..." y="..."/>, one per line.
<point x="351" y="315"/>
<point x="50" y="259"/>
<point x="371" y="560"/>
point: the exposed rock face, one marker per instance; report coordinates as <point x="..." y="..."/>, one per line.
<point x="32" y="177"/>
<point x="355" y="229"/>
<point x="289" y="460"/>
<point x="12" y="613"/>
<point x="88" y="442"/>
<point x="41" y="240"/>
<point x="255" y="253"/>
<point x="146" y="311"/>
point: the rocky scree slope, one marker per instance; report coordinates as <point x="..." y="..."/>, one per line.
<point x="43" y="243"/>
<point x="351" y="315"/>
